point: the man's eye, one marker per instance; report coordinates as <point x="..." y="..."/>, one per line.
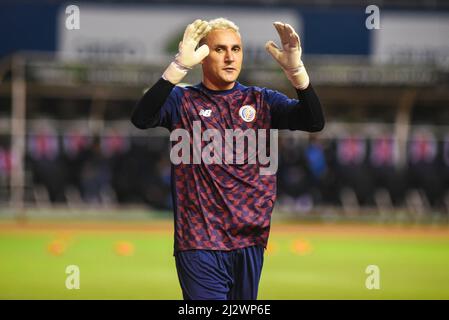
<point x="219" y="49"/>
<point x="236" y="49"/>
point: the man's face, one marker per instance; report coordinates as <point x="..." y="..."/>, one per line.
<point x="223" y="64"/>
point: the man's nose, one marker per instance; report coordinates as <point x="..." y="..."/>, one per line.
<point x="229" y="57"/>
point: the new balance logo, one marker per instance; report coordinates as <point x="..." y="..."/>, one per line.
<point x="205" y="113"/>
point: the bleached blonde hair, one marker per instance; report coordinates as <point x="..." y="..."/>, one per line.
<point x="221" y="24"/>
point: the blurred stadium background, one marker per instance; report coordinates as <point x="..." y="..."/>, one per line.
<point x="79" y="185"/>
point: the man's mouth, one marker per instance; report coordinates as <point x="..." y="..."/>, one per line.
<point x="229" y="69"/>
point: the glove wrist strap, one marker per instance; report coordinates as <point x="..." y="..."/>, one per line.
<point x="181" y="66"/>
<point x="174" y="73"/>
<point x="298" y="77"/>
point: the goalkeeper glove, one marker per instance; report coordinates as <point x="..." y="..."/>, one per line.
<point x="187" y="56"/>
<point x="290" y="56"/>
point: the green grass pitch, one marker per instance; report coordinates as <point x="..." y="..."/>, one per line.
<point x="303" y="264"/>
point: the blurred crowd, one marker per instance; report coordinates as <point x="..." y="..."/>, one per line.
<point x="75" y="168"/>
<point x="360" y="171"/>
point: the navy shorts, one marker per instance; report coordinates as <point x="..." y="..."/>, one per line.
<point x="220" y="275"/>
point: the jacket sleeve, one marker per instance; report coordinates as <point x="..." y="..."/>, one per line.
<point x="159" y="106"/>
<point x="304" y="113"/>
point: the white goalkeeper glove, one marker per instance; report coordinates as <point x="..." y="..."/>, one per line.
<point x="290" y="56"/>
<point x="187" y="56"/>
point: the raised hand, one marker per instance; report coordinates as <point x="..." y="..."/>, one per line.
<point x="188" y="56"/>
<point x="289" y="56"/>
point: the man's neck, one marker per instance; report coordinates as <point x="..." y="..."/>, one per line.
<point x="218" y="87"/>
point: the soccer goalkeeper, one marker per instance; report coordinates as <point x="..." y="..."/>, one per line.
<point x="222" y="212"/>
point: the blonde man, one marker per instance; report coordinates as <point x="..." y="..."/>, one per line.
<point x="223" y="210"/>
